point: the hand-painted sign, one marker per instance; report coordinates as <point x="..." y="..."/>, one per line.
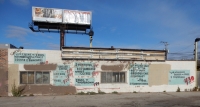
<point x="84" y="81"/>
<point x="60" y="75"/>
<point x="29" y="58"/>
<point x="84" y="69"/>
<point x="138" y="74"/>
<point x="178" y="76"/>
<point x="189" y="80"/>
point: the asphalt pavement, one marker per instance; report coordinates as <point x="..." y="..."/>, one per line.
<point x="162" y="99"/>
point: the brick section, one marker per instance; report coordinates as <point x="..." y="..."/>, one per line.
<point x="3" y="72"/>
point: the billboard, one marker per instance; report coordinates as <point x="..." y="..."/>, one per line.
<point x="47" y="14"/>
<point x="53" y="15"/>
<point x="76" y="17"/>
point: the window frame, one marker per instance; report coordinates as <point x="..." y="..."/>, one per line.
<point x="125" y="77"/>
<point x="34" y="83"/>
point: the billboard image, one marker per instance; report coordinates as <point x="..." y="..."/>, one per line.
<point x="77" y="17"/>
<point x="47" y="14"/>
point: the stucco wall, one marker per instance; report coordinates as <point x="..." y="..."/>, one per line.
<point x="13" y="76"/>
<point x="85" y="75"/>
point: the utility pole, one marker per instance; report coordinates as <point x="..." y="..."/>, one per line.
<point x="196" y="58"/>
<point x="166" y="49"/>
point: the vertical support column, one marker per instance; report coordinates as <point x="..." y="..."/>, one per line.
<point x="62" y="38"/>
<point x="91" y="33"/>
<point x="91" y="41"/>
<point x="196" y="58"/>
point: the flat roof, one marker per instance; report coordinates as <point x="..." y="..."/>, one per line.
<point x="123" y="49"/>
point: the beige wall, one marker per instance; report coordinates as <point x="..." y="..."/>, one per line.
<point x="13" y="76"/>
<point x="158" y="74"/>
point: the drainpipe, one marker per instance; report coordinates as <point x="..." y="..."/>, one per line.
<point x="196" y="58"/>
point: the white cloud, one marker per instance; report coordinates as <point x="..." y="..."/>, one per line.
<point x="17" y="32"/>
<point x="20" y="2"/>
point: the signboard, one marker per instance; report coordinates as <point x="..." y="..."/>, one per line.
<point x="139" y="74"/>
<point x="77" y="17"/>
<point x="84" y="81"/>
<point x="47" y="14"/>
<point x="177" y="77"/>
<point x="29" y="58"/>
<point x="52" y="15"/>
<point x="60" y="76"/>
<point x="83" y="68"/>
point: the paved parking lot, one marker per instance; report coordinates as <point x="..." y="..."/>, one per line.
<point x="176" y="99"/>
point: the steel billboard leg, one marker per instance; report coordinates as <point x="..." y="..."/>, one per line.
<point x="62" y="38"/>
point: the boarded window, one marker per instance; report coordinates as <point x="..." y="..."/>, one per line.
<point x="30" y="77"/>
<point x="38" y="77"/>
<point x="46" y="78"/>
<point x="23" y="78"/>
<point x="34" y="77"/>
<point x="113" y="77"/>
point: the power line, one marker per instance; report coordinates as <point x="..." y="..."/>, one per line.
<point x="184" y="48"/>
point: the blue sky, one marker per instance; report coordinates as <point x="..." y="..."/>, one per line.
<point x="139" y="24"/>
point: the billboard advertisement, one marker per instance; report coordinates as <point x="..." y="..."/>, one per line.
<point x="77" y="17"/>
<point x="47" y="14"/>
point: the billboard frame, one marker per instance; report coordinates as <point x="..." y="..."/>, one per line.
<point x="60" y="27"/>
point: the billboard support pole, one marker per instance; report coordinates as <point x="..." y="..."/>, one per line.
<point x="91" y="41"/>
<point x="62" y="37"/>
<point x="91" y="33"/>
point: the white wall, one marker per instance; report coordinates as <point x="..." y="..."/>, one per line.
<point x="53" y="56"/>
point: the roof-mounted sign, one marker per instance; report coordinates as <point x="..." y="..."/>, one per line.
<point x="52" y="15"/>
<point x="47" y="15"/>
<point x="77" y="17"/>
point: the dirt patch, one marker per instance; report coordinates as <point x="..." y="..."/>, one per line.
<point x="49" y="89"/>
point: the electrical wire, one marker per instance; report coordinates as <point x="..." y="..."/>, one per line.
<point x="184" y="48"/>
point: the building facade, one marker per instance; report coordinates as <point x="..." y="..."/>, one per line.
<point x="75" y="69"/>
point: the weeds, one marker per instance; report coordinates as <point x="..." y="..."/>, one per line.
<point x="91" y="93"/>
<point x="178" y="90"/>
<point x="31" y="95"/>
<point x="101" y="92"/>
<point x="195" y="89"/>
<point x="17" y="91"/>
<point x="164" y="91"/>
<point x="134" y="92"/>
<point x="24" y="95"/>
<point x="114" y="92"/>
<point x="81" y="93"/>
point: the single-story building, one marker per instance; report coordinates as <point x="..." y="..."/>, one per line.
<point x="84" y="69"/>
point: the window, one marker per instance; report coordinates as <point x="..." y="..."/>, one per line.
<point x="113" y="77"/>
<point x="34" y="77"/>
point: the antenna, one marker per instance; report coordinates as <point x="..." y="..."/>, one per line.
<point x="166" y="49"/>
